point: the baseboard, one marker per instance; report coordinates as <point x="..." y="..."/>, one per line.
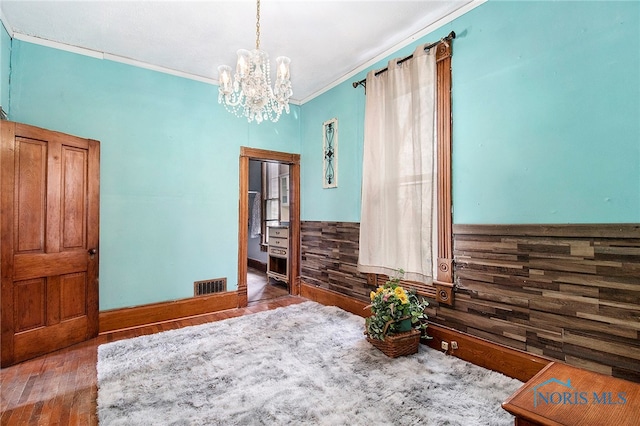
<point x="256" y="264"/>
<point x="118" y="319"/>
<point x="508" y="361"/>
<point x="333" y="298"/>
<point x="511" y="362"/>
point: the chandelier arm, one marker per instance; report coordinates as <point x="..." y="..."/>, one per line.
<point x="228" y="99"/>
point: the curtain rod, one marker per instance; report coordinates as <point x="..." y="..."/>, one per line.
<point x="449" y="37"/>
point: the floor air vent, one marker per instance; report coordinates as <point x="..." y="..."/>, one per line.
<point x="216" y="285"/>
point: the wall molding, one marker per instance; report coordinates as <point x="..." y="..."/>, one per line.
<point x="123" y="318"/>
<point x="511" y="362"/>
<point x="257" y="264"/>
<point x="394" y="49"/>
<point x="333" y="298"/>
<point x="584" y="230"/>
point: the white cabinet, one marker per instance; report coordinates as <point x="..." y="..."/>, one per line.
<point x="278" y="251"/>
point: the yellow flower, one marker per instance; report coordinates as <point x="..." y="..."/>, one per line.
<point x="400" y="292"/>
<point x="404" y="299"/>
<point x="372" y="295"/>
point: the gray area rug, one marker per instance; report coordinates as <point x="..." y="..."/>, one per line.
<point x="303" y="364"/>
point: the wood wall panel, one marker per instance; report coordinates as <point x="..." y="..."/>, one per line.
<point x="330" y="258"/>
<point x="564" y="292"/>
<point x="513" y="363"/>
<point x="568" y="292"/>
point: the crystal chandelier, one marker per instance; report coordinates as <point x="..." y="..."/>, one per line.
<point x="250" y="94"/>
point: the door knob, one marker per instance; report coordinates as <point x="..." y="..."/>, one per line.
<point x="92" y="251"/>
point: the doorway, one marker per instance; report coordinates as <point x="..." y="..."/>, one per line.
<point x="285" y="236"/>
<point x="268" y="212"/>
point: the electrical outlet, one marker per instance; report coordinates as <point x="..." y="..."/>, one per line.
<point x="444" y="345"/>
<point x="454" y="345"/>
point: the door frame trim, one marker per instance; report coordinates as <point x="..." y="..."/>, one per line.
<point x="293" y="160"/>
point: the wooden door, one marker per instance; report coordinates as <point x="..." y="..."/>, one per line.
<point x="50" y="228"/>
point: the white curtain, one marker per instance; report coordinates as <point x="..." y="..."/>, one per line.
<point x="398" y="176"/>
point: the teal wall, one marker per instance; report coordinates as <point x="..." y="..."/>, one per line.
<point x="341" y="203"/>
<point x="546" y="118"/>
<point x="169" y="166"/>
<point x="546" y="107"/>
<point x="5" y="67"/>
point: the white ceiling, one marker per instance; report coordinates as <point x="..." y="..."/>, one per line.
<point x="327" y="41"/>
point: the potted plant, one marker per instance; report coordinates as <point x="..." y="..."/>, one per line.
<point x="397" y="318"/>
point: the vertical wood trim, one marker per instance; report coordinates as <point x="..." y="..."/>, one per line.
<point x="7" y="160"/>
<point x="243" y="231"/>
<point x="93" y="238"/>
<point x="295" y="238"/>
<point x="443" y="102"/>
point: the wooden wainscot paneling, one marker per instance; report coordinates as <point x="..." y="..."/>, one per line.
<point x="118" y="319"/>
<point x="508" y="361"/>
<point x="330" y="258"/>
<point x="568" y="292"/>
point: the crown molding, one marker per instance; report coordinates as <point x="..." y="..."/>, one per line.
<point x="110" y="57"/>
<point x="140" y="64"/>
<point x="427" y="30"/>
<point x="116" y="58"/>
<point x="60" y="46"/>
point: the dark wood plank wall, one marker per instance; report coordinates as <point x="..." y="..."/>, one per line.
<point x="568" y="292"/>
<point x="330" y="258"/>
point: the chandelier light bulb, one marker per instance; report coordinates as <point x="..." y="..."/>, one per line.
<point x="224" y="79"/>
<point x="243" y="62"/>
<point x="282" y="64"/>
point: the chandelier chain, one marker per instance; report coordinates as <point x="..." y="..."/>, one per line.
<point x="258" y="25"/>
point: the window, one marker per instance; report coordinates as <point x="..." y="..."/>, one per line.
<point x="271" y="199"/>
<point x="275" y="197"/>
<point x="442" y="287"/>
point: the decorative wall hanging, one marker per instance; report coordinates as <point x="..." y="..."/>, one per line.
<point x="330" y="150"/>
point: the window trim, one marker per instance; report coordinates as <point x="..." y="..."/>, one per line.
<point x="443" y="285"/>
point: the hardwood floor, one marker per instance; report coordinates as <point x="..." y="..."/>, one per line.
<point x="261" y="288"/>
<point x="61" y="388"/>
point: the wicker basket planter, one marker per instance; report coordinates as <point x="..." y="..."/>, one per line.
<point x="399" y="344"/>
